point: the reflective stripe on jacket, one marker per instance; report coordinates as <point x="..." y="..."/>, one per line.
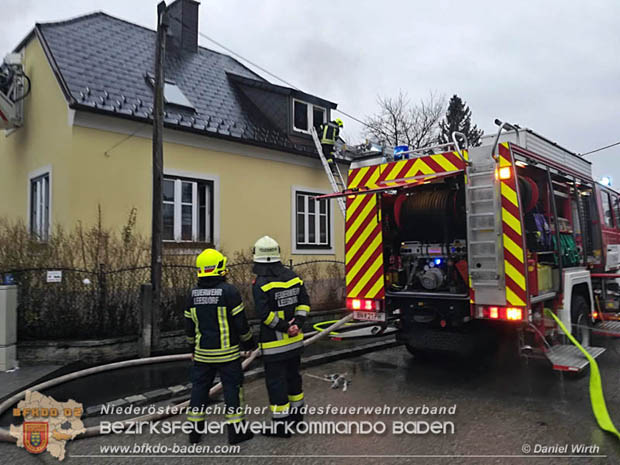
<point x="215" y="321"/>
<point x="279" y="298"/>
<point x="329" y="133"/>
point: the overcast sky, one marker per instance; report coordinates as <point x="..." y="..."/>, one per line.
<point x="553" y="66"/>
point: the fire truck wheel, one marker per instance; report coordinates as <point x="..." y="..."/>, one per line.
<point x="580" y="316"/>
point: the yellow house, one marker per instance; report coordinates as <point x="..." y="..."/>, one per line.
<point x="239" y="162"/>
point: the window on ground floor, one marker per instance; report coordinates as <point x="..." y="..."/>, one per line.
<point x="187" y="210"/>
<point x="40" y="206"/>
<point x="312" y="222"/>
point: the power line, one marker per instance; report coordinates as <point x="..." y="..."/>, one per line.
<point x="232" y="52"/>
<point x="266" y="71"/>
<point x="601" y="148"/>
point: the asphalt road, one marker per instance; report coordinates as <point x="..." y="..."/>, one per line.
<point x="502" y="408"/>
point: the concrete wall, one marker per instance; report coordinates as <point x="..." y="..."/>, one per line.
<point x="89" y="169"/>
<point x="8" y="327"/>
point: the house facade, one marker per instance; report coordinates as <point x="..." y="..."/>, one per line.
<point x="239" y="162"/>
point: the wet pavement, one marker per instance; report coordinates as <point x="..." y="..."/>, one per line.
<point x="14" y="380"/>
<point x="108" y="386"/>
<point x="502" y="408"/>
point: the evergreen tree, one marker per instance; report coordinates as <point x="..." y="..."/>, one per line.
<point x="458" y="118"/>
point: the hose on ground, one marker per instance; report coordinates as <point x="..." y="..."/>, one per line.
<point x="96" y="430"/>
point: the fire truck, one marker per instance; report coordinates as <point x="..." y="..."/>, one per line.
<point x="460" y="243"/>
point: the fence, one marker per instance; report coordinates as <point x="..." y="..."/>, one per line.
<point x="101" y="303"/>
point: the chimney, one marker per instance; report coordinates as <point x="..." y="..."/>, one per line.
<point x="183" y="25"/>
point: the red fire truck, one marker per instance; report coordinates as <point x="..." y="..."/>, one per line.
<point x="459" y="242"/>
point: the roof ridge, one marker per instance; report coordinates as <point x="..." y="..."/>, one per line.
<point x="103" y="13"/>
<point x="70" y="20"/>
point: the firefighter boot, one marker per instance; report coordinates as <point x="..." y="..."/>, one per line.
<point x="295" y="418"/>
<point x="196" y="435"/>
<point x="237" y="433"/>
<point x="278" y="428"/>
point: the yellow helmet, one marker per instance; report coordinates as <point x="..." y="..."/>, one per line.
<point x="339" y="122"/>
<point x="210" y="262"/>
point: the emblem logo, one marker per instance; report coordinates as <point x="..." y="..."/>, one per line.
<point x="36" y="435"/>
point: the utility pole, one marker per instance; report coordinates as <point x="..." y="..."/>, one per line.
<point x="158" y="167"/>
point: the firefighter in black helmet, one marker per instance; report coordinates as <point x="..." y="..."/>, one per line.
<point x="216" y="326"/>
<point x="330" y="133"/>
<point x="282" y="304"/>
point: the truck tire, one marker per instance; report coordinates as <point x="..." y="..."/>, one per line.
<point x="580" y="317"/>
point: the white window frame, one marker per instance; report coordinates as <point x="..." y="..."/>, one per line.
<point x="301" y="250"/>
<point x="213" y="216"/>
<point x="309" y="113"/>
<point x="44" y="171"/>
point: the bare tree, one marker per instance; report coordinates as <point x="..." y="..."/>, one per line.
<point x="400" y="122"/>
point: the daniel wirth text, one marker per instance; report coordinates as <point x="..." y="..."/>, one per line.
<point x="566" y="449"/>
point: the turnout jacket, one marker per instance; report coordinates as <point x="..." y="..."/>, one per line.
<point x="279" y="297"/>
<point x="215" y="322"/>
<point x="330" y="133"/>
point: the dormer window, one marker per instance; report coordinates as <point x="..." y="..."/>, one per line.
<point x="306" y="115"/>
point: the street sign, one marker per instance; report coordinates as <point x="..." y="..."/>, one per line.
<point x="54" y="276"/>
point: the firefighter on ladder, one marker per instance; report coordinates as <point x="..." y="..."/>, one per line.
<point x="215" y="326"/>
<point x="282" y="304"/>
<point x="330" y="133"/>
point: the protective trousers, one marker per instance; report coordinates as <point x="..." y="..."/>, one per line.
<point x="284" y="386"/>
<point x="231" y="375"/>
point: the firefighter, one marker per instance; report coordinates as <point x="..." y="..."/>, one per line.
<point x="216" y="325"/>
<point x="330" y="133"/>
<point x="282" y="305"/>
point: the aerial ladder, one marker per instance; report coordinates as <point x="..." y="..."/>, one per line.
<point x="14" y="87"/>
<point x="333" y="172"/>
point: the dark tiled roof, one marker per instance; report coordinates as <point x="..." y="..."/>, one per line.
<point x="102" y="63"/>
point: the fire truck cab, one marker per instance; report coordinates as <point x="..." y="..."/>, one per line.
<point x="457" y="243"/>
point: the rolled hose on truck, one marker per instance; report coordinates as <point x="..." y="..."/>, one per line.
<point x="95" y="430"/>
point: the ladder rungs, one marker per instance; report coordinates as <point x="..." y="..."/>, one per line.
<point x="483" y="242"/>
<point x="482" y="229"/>
<point x="482" y="214"/>
<point x="485" y="282"/>
<point x="483" y="186"/>
<point x="482" y="201"/>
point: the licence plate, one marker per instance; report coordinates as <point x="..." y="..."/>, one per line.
<point x="369" y="316"/>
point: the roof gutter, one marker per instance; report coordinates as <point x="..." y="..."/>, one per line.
<point x="205" y="133"/>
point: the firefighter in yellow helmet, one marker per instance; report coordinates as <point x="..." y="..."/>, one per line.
<point x="216" y="326"/>
<point x="330" y="133"/>
<point x="282" y="305"/>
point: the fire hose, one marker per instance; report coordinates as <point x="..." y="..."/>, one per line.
<point x="96" y="430"/>
<point x="596" y="387"/>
